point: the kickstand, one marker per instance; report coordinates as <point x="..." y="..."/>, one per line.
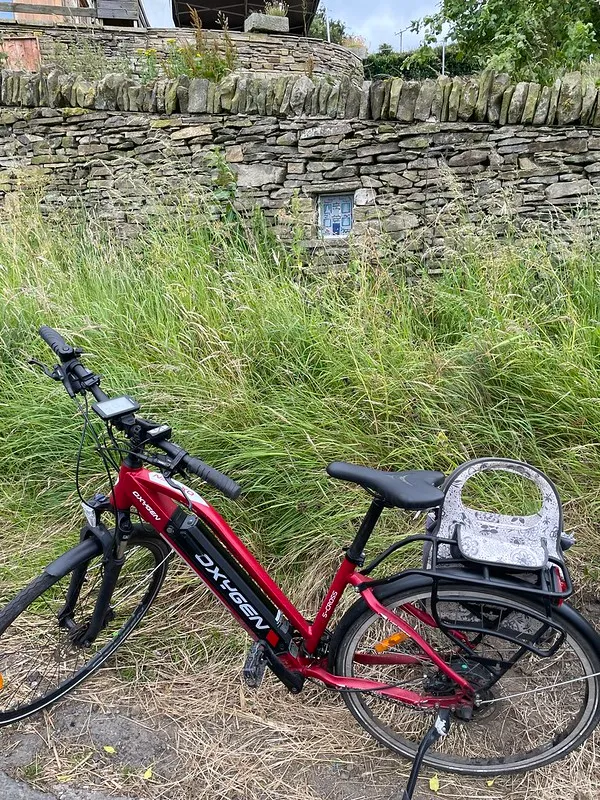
<point x="438" y="730"/>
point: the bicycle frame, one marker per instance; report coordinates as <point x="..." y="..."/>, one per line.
<point x="212" y="550"/>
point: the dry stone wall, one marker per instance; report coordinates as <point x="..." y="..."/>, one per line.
<point x="256" y="52"/>
<point x="406" y="177"/>
<point x="490" y="98"/>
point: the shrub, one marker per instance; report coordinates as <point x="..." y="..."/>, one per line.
<point x="276" y="8"/>
<point x="203" y="58"/>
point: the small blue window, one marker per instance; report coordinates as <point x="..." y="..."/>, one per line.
<point x="336" y="214"/>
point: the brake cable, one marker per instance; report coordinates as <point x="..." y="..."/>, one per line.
<point x="168" y="476"/>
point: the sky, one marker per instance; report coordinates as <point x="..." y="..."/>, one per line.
<point x="376" y="20"/>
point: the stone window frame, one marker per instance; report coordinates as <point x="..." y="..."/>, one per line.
<point x="321" y="198"/>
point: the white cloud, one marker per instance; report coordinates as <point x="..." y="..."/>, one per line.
<point x="383" y="19"/>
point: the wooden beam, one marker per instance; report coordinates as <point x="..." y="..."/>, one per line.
<point x="32" y="8"/>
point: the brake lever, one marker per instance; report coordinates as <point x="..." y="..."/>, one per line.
<point x="172" y="469"/>
<point x="57" y="374"/>
<point x="54" y="374"/>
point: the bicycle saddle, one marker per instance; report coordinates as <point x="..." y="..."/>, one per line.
<point x="415" y="490"/>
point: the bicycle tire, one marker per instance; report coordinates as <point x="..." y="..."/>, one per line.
<point x="45" y="591"/>
<point x="358" y="620"/>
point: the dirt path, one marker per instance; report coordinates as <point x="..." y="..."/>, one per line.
<point x="171" y="719"/>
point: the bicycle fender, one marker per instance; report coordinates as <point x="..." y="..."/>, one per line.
<point x="82" y="552"/>
<point x="581" y="624"/>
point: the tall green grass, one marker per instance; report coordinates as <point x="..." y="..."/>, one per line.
<point x="269" y="372"/>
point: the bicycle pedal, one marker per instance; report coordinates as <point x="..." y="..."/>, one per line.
<point x="255" y="666"/>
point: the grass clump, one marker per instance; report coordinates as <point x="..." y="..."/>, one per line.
<point x="88" y="59"/>
<point x="269" y="374"/>
<point x="211" y="59"/>
<point x="276" y="8"/>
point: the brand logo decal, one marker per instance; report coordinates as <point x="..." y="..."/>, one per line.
<point x="238" y="598"/>
<point x="156" y="477"/>
<point x="148" y="508"/>
<point x="329" y="605"/>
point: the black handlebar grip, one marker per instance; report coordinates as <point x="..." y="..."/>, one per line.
<point x="54" y="340"/>
<point x="213" y="476"/>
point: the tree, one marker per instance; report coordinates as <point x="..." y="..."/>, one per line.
<point x="318" y="29"/>
<point x="423" y="63"/>
<point x="530" y="39"/>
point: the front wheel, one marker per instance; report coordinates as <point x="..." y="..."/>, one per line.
<point x="529" y="717"/>
<point x="41" y="659"/>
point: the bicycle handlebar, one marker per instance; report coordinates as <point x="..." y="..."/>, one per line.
<point x="55" y="341"/>
<point x="204" y="471"/>
<point x="192" y="464"/>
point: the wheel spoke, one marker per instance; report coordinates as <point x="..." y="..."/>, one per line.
<point x="39" y="659"/>
<point x="524" y="717"/>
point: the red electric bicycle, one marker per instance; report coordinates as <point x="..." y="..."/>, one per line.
<point x="488" y="646"/>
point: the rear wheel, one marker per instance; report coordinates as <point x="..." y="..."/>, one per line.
<point x="40" y="660"/>
<point x="529" y="718"/>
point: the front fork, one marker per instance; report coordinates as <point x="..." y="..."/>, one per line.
<point x="113" y="544"/>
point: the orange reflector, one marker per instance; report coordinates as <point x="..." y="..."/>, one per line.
<point x="391" y="641"/>
<point x="1" y="682"/>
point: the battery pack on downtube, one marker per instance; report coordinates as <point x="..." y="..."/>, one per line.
<point x="228" y="580"/>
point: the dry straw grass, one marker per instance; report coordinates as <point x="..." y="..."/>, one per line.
<point x="173" y="701"/>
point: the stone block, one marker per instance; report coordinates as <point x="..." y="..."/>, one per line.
<point x="353" y="102"/>
<point x="588" y="105"/>
<point x="183" y="89"/>
<point x="401" y="221"/>
<point x="553" y="105"/>
<point x="468" y="100"/>
<point x="469" y="158"/>
<point x="266" y="23"/>
<point x="365" y="197"/>
<point x="198" y="96"/>
<point x="302" y="92"/>
<point x="195" y="132"/>
<point x="486" y="82"/>
<point x="506" y="100"/>
<point x="543" y="106"/>
<point x="570" y="100"/>
<point x="574" y="189"/>
<point x="333" y="101"/>
<point x="531" y="103"/>
<point x="517" y="103"/>
<point x="395" y="92"/>
<point x="365" y="101"/>
<point x="408" y="101"/>
<point x="425" y="99"/>
<point x="234" y="154"/>
<point x="256" y="175"/>
<point x="377" y="97"/>
<point x="454" y="99"/>
<point x="439" y="105"/>
<point x="106" y="94"/>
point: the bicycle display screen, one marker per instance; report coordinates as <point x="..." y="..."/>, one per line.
<point x="115" y="407"/>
